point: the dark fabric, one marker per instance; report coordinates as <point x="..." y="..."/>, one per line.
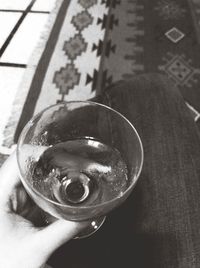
<point x="159" y="224"/>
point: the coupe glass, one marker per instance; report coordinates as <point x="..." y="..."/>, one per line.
<point x="79" y="160"/>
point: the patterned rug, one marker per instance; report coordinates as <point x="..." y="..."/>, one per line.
<point x="92" y="43"/>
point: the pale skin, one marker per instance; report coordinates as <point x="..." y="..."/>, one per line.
<point x="21" y="243"/>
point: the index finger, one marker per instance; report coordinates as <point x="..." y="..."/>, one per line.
<point x="9" y="178"/>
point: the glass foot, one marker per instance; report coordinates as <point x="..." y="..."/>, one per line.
<point x="91" y="229"/>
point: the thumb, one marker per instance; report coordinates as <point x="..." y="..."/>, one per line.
<point x="9" y="178"/>
<point x="57" y="233"/>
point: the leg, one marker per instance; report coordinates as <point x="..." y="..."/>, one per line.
<point x="167" y="221"/>
<point x="159" y="224"/>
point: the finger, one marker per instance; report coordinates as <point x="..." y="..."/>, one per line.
<point x="9" y="178"/>
<point x="10" y="174"/>
<point x="19" y="199"/>
<point x="59" y="232"/>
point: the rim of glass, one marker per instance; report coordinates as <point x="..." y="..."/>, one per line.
<point x="65" y="103"/>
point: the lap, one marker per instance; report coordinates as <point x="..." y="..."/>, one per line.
<point x="158" y="226"/>
<point x="168" y="203"/>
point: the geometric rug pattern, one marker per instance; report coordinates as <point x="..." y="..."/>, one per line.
<point x="91" y="43"/>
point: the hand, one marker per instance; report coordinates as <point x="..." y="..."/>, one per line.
<point x="21" y="243"/>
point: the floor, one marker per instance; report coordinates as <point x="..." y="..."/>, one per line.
<point x="23" y="23"/>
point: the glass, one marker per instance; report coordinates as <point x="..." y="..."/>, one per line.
<point x="79" y="160"/>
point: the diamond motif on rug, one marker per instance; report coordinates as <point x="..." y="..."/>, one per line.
<point x="66" y="78"/>
<point x="87" y="3"/>
<point x="75" y="46"/>
<point x="82" y="20"/>
<point x="174" y="34"/>
<point x="180" y="69"/>
<point x="169" y="9"/>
